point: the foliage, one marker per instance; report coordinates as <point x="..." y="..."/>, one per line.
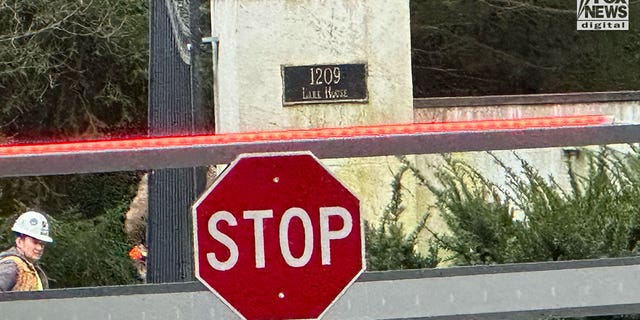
<point x="86" y="212"/>
<point x="90" y="252"/>
<point x="66" y="196"/>
<point x="72" y="69"/>
<point x="387" y="244"/>
<point x="596" y="217"/>
<point x="462" y="47"/>
<point x="471" y="207"/>
<point x="85" y="252"/>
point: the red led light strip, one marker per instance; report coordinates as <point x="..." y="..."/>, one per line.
<point x="303" y="134"/>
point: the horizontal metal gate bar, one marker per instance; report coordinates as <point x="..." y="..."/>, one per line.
<point x="115" y="159"/>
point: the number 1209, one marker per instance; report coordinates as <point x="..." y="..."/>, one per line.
<point x="320" y="75"/>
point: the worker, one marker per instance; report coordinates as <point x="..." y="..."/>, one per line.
<point x="19" y="269"/>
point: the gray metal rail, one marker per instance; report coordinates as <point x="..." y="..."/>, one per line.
<point x="517" y="291"/>
<point x="115" y="159"/>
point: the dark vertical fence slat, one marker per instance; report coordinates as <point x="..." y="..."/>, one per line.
<point x="171" y="191"/>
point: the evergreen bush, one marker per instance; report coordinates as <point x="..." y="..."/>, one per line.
<point x="90" y="252"/>
<point x="597" y="216"/>
<point x="388" y="245"/>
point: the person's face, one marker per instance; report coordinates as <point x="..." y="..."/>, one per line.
<point x="30" y="247"/>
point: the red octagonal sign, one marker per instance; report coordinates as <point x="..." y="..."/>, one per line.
<point x="277" y="236"/>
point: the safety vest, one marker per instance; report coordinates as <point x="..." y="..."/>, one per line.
<point x="27" y="278"/>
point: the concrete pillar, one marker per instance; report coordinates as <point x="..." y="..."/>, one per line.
<point x="260" y="40"/>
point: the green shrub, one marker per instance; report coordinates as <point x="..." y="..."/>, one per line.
<point x="597" y="216"/>
<point x="388" y="246"/>
<point x="90" y="252"/>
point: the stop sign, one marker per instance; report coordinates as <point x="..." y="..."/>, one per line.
<point x="277" y="236"/>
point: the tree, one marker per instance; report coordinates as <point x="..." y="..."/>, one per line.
<point x="72" y="69"/>
<point x="487" y="47"/>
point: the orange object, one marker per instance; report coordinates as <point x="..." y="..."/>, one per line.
<point x="138" y="252"/>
